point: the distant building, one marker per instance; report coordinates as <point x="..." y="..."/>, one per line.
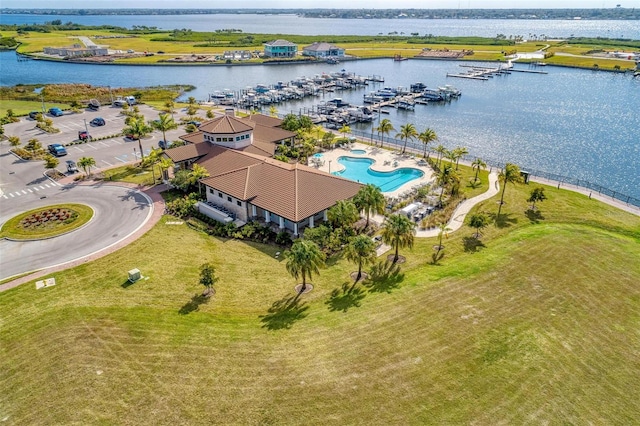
<point x="280" y="49"/>
<point x="76" y="50"/>
<point x="323" y="50"/>
<point x="238" y="55"/>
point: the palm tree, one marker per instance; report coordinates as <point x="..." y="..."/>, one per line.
<point x="476" y="165"/>
<point x="426" y="137"/>
<point x="152" y="159"/>
<point x="384" y="127"/>
<point x="370" y="199"/>
<point x="443" y="231"/>
<point x="273" y="111"/>
<point x="50" y="162"/>
<point x="478" y="221"/>
<point x="398" y="231"/>
<point x="460" y="152"/>
<point x="304" y="258"/>
<point x="138" y="129"/>
<point x="407" y="132"/>
<point x="343" y="214"/>
<point x="444" y="178"/>
<point x="345" y="130"/>
<point x="537" y="194"/>
<point x="361" y="250"/>
<point x="164" y="164"/>
<point x="441" y="150"/>
<point x="510" y="174"/>
<point x="164" y="124"/>
<point x="197" y="173"/>
<point x="86" y="163"/>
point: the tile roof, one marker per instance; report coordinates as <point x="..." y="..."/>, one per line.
<point x="225" y="125"/>
<point x="321" y="47"/>
<point x="187" y="152"/>
<point x="265" y="120"/>
<point x="280" y="42"/>
<point x="293" y="191"/>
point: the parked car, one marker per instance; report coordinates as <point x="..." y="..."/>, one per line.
<point x="164" y="144"/>
<point x="98" y="121"/>
<point x="34" y="114"/>
<point x="71" y="166"/>
<point x="195" y="123"/>
<point x="83" y="135"/>
<point x="56" y="112"/>
<point x="94" y="104"/>
<point x="57" y="149"/>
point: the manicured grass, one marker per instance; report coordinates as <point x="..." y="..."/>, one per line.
<point x="25" y="107"/>
<point x="14" y="228"/>
<point x="131" y="174"/>
<point x="537" y="323"/>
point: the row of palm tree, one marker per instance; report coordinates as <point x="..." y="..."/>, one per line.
<point x="407" y="133"/>
<point x="139" y="128"/>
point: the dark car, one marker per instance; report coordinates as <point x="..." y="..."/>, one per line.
<point x="56" y="112"/>
<point x="71" y="166"/>
<point x="34" y="114"/>
<point x="164" y="144"/>
<point x="83" y="135"/>
<point x="98" y="121"/>
<point x="195" y="123"/>
<point x="57" y="149"/>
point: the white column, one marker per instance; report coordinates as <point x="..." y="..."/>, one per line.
<point x="254" y="212"/>
<point x="295" y="229"/>
<point x="281" y="222"/>
<point x="311" y="221"/>
<point x="325" y="217"/>
<point x="267" y="216"/>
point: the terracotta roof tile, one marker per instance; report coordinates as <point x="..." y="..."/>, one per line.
<point x="187" y="152"/>
<point x="225" y="125"/>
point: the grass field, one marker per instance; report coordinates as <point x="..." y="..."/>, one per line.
<point x="537" y="324"/>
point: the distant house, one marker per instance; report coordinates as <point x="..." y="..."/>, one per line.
<point x="246" y="184"/>
<point x="280" y="49"/>
<point x="238" y="55"/>
<point x="323" y="50"/>
<point x="76" y="50"/>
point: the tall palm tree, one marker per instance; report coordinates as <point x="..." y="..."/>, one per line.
<point x="345" y="130"/>
<point x="86" y="163"/>
<point x="384" y="127"/>
<point x="398" y="231"/>
<point x="304" y="258"/>
<point x="370" y="199"/>
<point x="197" y="173"/>
<point x="138" y="129"/>
<point x="164" y="123"/>
<point x="446" y="177"/>
<point x="476" y="165"/>
<point x="152" y="159"/>
<point x="343" y="214"/>
<point x="361" y="250"/>
<point x="426" y="137"/>
<point x="164" y="164"/>
<point x="460" y="152"/>
<point x="440" y="150"/>
<point x="407" y="133"/>
<point x="443" y="231"/>
<point x="510" y="174"/>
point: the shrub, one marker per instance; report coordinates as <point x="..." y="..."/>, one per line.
<point x="283" y="238"/>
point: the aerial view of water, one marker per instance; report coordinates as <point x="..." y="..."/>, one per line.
<point x="292" y="24"/>
<point x="570" y="122"/>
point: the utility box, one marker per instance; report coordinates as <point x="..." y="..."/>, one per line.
<point x="525" y="176"/>
<point x="134" y="275"/>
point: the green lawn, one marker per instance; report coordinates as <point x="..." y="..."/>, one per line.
<point x="537" y="325"/>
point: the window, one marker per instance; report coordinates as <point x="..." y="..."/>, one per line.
<point x="211" y="190"/>
<point x="218" y="139"/>
<point x="229" y="199"/>
<point x="220" y="194"/>
<point x="239" y="203"/>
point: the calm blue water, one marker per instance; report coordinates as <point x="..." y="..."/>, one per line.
<point x="291" y="24"/>
<point x="358" y="169"/>
<point x="570" y="122"/>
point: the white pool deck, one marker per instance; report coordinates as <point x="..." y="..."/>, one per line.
<point x="385" y="161"/>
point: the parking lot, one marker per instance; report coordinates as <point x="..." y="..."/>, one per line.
<point x="24" y="178"/>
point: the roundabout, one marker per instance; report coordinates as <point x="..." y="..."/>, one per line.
<point x="118" y="212"/>
<point x="46" y="222"/>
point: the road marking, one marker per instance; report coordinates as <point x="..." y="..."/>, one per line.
<point x="35" y="189"/>
<point x="81" y="150"/>
<point x="5" y="197"/>
<point x="116" y="141"/>
<point x="91" y="146"/>
<point x="24" y="192"/>
<point x="105" y="144"/>
<point x="41" y="187"/>
<point x="120" y="159"/>
<point x="29" y="190"/>
<point x="107" y="163"/>
<point x="11" y="195"/>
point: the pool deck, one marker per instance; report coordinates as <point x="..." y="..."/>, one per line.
<point x="385" y="161"/>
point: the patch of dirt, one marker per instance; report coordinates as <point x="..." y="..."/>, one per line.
<point x="401" y="258"/>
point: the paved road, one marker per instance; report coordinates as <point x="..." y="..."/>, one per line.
<point x="119" y="211"/>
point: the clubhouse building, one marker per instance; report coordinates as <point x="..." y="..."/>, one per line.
<point x="245" y="183"/>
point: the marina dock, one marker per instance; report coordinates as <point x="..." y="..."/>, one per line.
<point x="484" y="73"/>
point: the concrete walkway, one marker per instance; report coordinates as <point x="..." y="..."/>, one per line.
<point x="460" y="213"/>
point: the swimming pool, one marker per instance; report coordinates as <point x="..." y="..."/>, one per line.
<point x="358" y="151"/>
<point x="358" y="169"/>
<point x="318" y="155"/>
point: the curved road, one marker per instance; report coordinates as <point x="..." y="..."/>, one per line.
<point x="118" y="212"/>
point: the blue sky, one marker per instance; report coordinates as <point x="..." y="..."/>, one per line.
<point x="338" y="4"/>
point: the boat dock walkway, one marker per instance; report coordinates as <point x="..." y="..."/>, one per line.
<point x="484" y="73"/>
